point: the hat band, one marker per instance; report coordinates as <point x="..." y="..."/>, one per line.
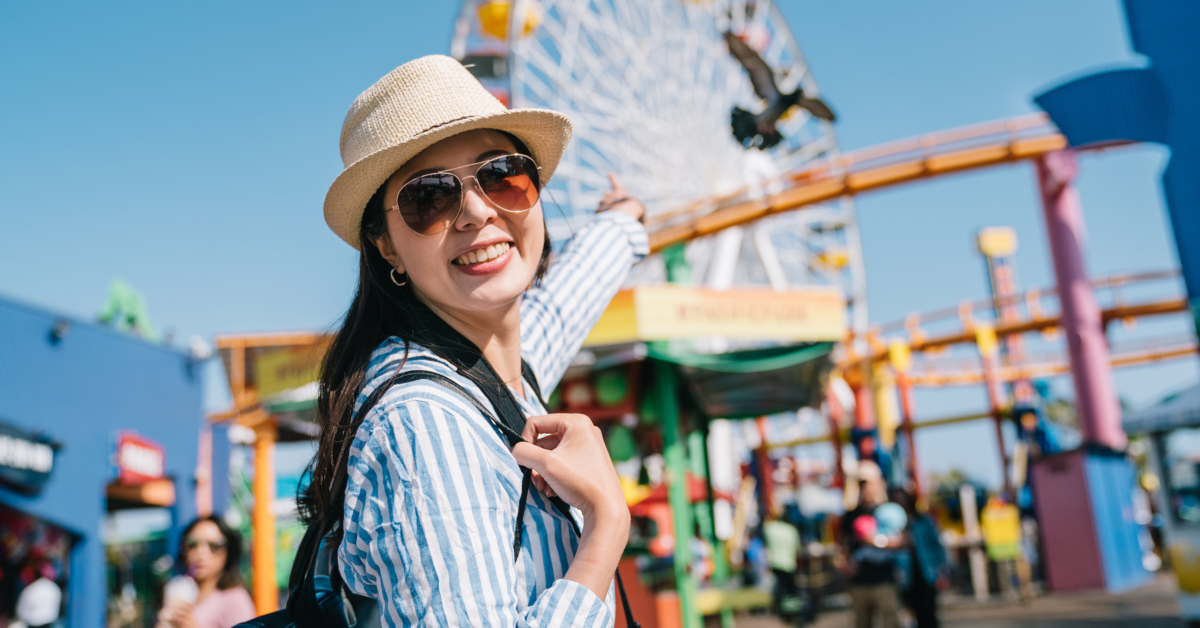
<point x="442" y="124"/>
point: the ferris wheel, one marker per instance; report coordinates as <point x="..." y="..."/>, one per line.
<point x="650" y="86"/>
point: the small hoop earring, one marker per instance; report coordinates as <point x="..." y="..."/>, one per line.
<point x="398" y="283"/>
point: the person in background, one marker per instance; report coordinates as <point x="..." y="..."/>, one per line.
<point x="924" y="569"/>
<point x="868" y="556"/>
<point x="210" y="552"/>
<point x="782" y="540"/>
<point x="41" y="600"/>
<point x="756" y="561"/>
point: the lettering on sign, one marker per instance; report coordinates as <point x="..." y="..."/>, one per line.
<point x="26" y="459"/>
<point x="142" y="460"/>
<point x="139" y="459"/>
<point x="678" y="312"/>
<point x="716" y="312"/>
<point x="24" y="455"/>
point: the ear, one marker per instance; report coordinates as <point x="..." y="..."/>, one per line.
<point x="388" y="251"/>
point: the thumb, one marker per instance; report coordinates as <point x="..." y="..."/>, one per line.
<point x="530" y="456"/>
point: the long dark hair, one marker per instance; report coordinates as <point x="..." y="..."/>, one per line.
<point x="231" y="573"/>
<point x="380" y="310"/>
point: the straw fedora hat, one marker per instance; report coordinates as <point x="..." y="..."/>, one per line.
<point x="413" y="107"/>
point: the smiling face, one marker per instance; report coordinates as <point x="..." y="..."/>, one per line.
<point x="487" y="257"/>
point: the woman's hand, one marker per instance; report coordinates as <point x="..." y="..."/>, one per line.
<point x="618" y="199"/>
<point x="568" y="457"/>
<point x="176" y="615"/>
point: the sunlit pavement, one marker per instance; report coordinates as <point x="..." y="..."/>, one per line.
<point x="1152" y="606"/>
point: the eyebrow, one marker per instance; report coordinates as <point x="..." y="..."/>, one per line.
<point x="484" y="156"/>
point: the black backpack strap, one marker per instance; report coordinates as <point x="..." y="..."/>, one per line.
<point x="565" y="509"/>
<point x="318" y="594"/>
<point x="510" y="435"/>
<point x="514" y="438"/>
<point x="527" y="373"/>
<point x="447" y="343"/>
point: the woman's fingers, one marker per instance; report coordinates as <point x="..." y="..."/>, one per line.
<point x="569" y="458"/>
<point x="619" y="199"/>
<point x="531" y="456"/>
<point x="539" y="428"/>
<point x="615" y="181"/>
<point x="548" y="424"/>
<point x="549" y="441"/>
<point x="540" y="484"/>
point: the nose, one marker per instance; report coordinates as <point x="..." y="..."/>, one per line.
<point x="477" y="210"/>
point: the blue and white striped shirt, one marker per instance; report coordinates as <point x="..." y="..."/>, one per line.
<point x="431" y="499"/>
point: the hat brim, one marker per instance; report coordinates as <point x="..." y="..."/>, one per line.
<point x="545" y="132"/>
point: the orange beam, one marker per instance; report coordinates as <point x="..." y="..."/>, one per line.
<point x="252" y="341"/>
<point x="1023" y="327"/>
<point x="262" y="548"/>
<point x="1009" y="374"/>
<point x="844" y="434"/>
<point x="911" y="160"/>
<point x="154" y="493"/>
<point x="1118" y="280"/>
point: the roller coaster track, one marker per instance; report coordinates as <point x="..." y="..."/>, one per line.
<point x="886" y="165"/>
<point x="957" y="326"/>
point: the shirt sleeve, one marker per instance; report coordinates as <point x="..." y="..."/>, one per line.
<point x="557" y="316"/>
<point x="428" y="527"/>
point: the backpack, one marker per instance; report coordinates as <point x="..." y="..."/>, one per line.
<point x="318" y="598"/>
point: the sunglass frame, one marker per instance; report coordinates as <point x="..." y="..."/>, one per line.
<point x="462" y="187"/>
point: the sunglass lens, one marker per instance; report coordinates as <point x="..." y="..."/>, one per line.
<point x="510" y="182"/>
<point x="429" y="203"/>
<point x="192" y="544"/>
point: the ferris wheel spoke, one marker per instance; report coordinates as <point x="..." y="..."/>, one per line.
<point x="650" y="85"/>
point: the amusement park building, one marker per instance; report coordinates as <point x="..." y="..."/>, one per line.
<point x="75" y="393"/>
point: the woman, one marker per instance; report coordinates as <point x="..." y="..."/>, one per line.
<point x="441" y="197"/>
<point x="924" y="568"/>
<point x="211" y="553"/>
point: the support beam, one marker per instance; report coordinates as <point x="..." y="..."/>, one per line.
<point x="996" y="407"/>
<point x="1095" y="397"/>
<point x="906" y="411"/>
<point x="266" y="590"/>
<point x="675" y="456"/>
<point x="834" y="414"/>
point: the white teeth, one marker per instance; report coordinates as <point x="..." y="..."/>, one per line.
<point x="482" y="255"/>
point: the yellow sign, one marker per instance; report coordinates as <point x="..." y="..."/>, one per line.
<point x="677" y="312"/>
<point x="997" y="241"/>
<point x="285" y="368"/>
<point x="985" y="339"/>
<point x="900" y="356"/>
<point x="887" y="410"/>
<point x="1001" y="525"/>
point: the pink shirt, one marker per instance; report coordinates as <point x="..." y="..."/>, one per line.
<point x="224" y="609"/>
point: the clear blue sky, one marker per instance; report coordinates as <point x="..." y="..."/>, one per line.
<point x="187" y="150"/>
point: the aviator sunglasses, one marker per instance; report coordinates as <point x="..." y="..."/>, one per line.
<point x="432" y="202"/>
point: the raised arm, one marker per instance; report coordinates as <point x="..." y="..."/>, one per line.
<point x="557" y="316"/>
<point x="430" y="513"/>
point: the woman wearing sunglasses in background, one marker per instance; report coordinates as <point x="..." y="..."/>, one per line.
<point x="210" y="554"/>
<point x="441" y="197"/>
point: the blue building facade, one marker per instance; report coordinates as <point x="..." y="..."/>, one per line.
<point x="79" y="385"/>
